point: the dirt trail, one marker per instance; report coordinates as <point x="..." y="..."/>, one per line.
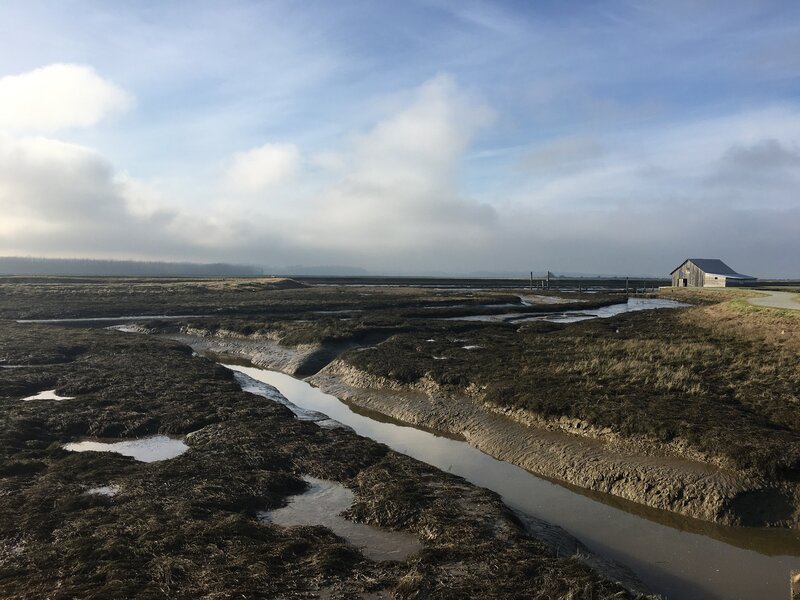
<point x="786" y="300"/>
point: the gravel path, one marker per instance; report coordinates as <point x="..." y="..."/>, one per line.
<point x="788" y="300"/>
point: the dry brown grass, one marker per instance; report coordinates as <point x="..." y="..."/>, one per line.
<point x="720" y="380"/>
<point x="738" y="318"/>
<point x="706" y="295"/>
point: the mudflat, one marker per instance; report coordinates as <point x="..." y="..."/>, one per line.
<point x="186" y="522"/>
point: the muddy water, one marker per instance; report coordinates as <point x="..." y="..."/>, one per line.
<point x="104" y="490"/>
<point x="322" y="503"/>
<point x="677" y="557"/>
<point x="46" y="395"/>
<point x="573" y="316"/>
<point x="102" y="320"/>
<point x="148" y="449"/>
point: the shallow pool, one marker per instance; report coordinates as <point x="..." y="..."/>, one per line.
<point x="147" y="449"/>
<point x="47" y="395"/>
<point x="322" y="504"/>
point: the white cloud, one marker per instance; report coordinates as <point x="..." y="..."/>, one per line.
<point x="391" y="191"/>
<point x="392" y="197"/>
<point x="401" y="191"/>
<point x="263" y="167"/>
<point x="58" y="96"/>
<point x="50" y="179"/>
<point x="64" y="198"/>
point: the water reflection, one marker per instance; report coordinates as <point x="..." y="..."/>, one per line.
<point x="676" y="556"/>
<point x="148" y="449"/>
<point x="322" y="504"/>
<point x="575" y="315"/>
<point x="47" y="395"/>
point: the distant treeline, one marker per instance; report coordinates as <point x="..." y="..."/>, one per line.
<point x="17" y="265"/>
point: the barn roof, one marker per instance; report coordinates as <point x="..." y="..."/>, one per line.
<point x="714" y="266"/>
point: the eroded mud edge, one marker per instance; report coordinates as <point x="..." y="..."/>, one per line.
<point x="691" y="488"/>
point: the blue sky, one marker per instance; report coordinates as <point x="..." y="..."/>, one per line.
<point x="609" y="137"/>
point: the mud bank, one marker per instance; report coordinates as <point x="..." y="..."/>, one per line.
<point x="555" y="450"/>
<point x="677" y="556"/>
<point x="302" y="360"/>
<point x="691" y="488"/>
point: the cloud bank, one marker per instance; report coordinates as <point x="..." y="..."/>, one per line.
<point x="58" y="96"/>
<point x="399" y="192"/>
<point x="393" y="193"/>
<point x="263" y="167"/>
<point x="392" y="196"/>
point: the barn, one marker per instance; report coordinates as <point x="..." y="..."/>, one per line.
<point x="708" y="272"/>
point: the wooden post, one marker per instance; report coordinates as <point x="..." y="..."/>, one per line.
<point x="531" y="280"/>
<point x="626" y="285"/>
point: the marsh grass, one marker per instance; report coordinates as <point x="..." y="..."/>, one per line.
<point x="45" y="298"/>
<point x="722" y="379"/>
<point x="187" y="527"/>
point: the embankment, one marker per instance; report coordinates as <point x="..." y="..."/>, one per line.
<point x="596" y="461"/>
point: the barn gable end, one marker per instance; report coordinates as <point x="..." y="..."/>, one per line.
<point x="707" y="272"/>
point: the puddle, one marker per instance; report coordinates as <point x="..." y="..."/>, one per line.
<point x="47" y="395"/>
<point x="126" y="328"/>
<point x="104" y="490"/>
<point x="492" y="318"/>
<point x="148" y="449"/>
<point x="533" y="299"/>
<point x="322" y="504"/>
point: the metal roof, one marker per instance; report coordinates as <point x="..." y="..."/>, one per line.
<point x="714" y="266"/>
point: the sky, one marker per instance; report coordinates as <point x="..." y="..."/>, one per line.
<point x="423" y="136"/>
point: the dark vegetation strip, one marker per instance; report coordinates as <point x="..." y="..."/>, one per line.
<point x="56" y="299"/>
